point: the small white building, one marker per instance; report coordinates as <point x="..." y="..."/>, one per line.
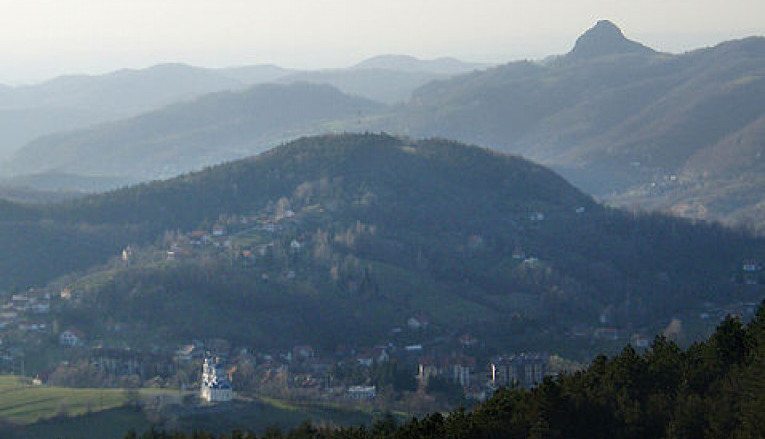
<point x="71" y="338"/>
<point x="215" y="385"/>
<point x="362" y="392"/>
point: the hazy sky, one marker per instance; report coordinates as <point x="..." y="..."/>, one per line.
<point x="40" y="39"/>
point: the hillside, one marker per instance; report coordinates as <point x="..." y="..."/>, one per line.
<point x="71" y="102"/>
<point x="611" y="115"/>
<point x="191" y="135"/>
<point x="335" y="226"/>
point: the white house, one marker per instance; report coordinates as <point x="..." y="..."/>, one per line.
<point x="71" y="338"/>
<point x="362" y="392"/>
<point x="215" y="385"/>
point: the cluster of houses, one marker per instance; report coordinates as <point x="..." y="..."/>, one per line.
<point x="24" y="310"/>
<point x="25" y="314"/>
<point x="221" y="235"/>
<point x="301" y="370"/>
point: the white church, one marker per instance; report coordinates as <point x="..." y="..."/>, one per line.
<point x="215" y="385"/>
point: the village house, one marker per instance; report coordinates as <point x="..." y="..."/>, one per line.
<point x="199" y="237"/>
<point x="71" y="338"/>
<point x="362" y="392"/>
<point x="365" y="359"/>
<point x="20" y="302"/>
<point x="413" y="348"/>
<point x="295" y="245"/>
<point x="188" y="352"/>
<point x="519" y="254"/>
<point x="750" y="266"/>
<point x="127" y="255"/>
<point x="468" y="341"/>
<point x="751" y="269"/>
<point x="302" y="352"/>
<point x="418" y="321"/>
<point x="380" y="355"/>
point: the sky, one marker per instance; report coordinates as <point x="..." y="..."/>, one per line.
<point x="41" y="39"/>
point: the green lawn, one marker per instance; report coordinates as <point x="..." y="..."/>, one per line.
<point x="36" y="412"/>
<point x="24" y="403"/>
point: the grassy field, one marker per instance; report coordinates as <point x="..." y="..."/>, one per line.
<point x="24" y="403"/>
<point x="31" y="412"/>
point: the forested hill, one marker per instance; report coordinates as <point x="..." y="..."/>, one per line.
<point x="442" y="176"/>
<point x="338" y="225"/>
<point x="190" y="135"/>
<point x="713" y="390"/>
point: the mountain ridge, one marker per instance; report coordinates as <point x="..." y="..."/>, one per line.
<point x="224" y="125"/>
<point x="615" y="125"/>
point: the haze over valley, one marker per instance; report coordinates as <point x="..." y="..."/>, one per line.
<point x="188" y="248"/>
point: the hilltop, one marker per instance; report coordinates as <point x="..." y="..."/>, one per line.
<point x="603" y="39"/>
<point x="339" y="225"/>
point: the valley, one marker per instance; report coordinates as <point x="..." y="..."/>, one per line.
<point x="420" y="247"/>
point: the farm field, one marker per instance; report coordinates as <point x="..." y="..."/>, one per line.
<point x="24" y="403"/>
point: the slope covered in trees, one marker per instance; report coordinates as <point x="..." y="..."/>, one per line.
<point x="471" y="237"/>
<point x="190" y="135"/>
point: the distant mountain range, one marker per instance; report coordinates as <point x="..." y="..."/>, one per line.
<point x="72" y="102"/>
<point x="323" y="230"/>
<point x="191" y="135"/>
<point x="621" y="121"/>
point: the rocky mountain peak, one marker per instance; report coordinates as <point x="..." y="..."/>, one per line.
<point x="605" y="38"/>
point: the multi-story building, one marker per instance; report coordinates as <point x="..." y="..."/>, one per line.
<point x="524" y="370"/>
